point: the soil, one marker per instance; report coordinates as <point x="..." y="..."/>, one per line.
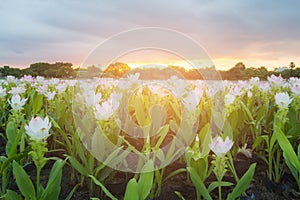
<point x="260" y="188"/>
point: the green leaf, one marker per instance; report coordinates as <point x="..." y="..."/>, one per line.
<point x="52" y="189"/>
<point x="174" y="173"/>
<point x="23" y="181"/>
<point x="78" y="166"/>
<point x="146" y="180"/>
<point x="162" y="133"/>
<point x="205" y="135"/>
<point x="260" y="139"/>
<point x="158" y="117"/>
<point x="215" y="184"/>
<point x="219" y="119"/>
<point x="200" y="187"/>
<point x="37" y="103"/>
<point x="227" y="129"/>
<point x="179" y="195"/>
<point x="293" y="170"/>
<point x="132" y="191"/>
<point x="11" y="134"/>
<point x="104" y="189"/>
<point x="139" y="108"/>
<point x="286" y="147"/>
<point x="72" y="192"/>
<point x="243" y="183"/>
<point x="12" y="195"/>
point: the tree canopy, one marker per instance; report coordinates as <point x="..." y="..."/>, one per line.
<point x="119" y="70"/>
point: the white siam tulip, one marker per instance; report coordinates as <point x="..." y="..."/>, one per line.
<point x="91" y="98"/>
<point x="40" y="79"/>
<point x="295" y="89"/>
<point x="61" y="87"/>
<point x="158" y="90"/>
<point x="42" y="89"/>
<point x="115" y="99"/>
<point x="104" y="111"/>
<point x="133" y="78"/>
<point x="108" y="107"/>
<point x="249" y="94"/>
<point x="214" y="88"/>
<point x="254" y="81"/>
<point x="50" y="95"/>
<point x="265" y="87"/>
<point x="246" y="151"/>
<point x="282" y="100"/>
<point x="191" y="101"/>
<point x="11" y="79"/>
<point x="276" y="81"/>
<point x="177" y="86"/>
<point x="71" y="83"/>
<point x="54" y="81"/>
<point x="2" y="92"/>
<point x="229" y="99"/>
<point x="17" y="102"/>
<point x="220" y="147"/>
<point x="17" y="90"/>
<point x="28" y="79"/>
<point x="38" y="129"/>
<point x="236" y="89"/>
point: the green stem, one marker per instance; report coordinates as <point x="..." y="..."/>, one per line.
<point x="4" y="181"/>
<point x="220" y="190"/>
<point x="270" y="162"/>
<point x="38" y="173"/>
<point x="231" y="167"/>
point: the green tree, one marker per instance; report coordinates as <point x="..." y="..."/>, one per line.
<point x="116" y="70"/>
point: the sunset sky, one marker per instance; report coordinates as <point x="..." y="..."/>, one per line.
<point x="255" y="32"/>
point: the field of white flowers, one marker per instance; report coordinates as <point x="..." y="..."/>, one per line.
<point x="94" y="129"/>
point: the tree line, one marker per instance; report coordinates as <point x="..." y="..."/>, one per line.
<point x="118" y="70"/>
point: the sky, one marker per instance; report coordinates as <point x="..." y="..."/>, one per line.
<point x="255" y="32"/>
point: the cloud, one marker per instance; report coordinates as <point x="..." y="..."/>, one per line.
<point x="65" y="30"/>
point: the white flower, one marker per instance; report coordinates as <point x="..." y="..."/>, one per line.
<point x="54" y="81"/>
<point x="104" y="111"/>
<point x="115" y="99"/>
<point x="2" y="92"/>
<point x="40" y="79"/>
<point x="249" y="94"/>
<point x="17" y="90"/>
<point x="191" y="101"/>
<point x="276" y="81"/>
<point x="177" y="86"/>
<point x="42" y="89"/>
<point x="295" y="89"/>
<point x="133" y="78"/>
<point x="229" y="99"/>
<point x="10" y="79"/>
<point x="28" y="79"/>
<point x="38" y="129"/>
<point x="16" y="102"/>
<point x="264" y="86"/>
<point x="220" y="147"/>
<point x="61" y="87"/>
<point x="108" y="108"/>
<point x="245" y="151"/>
<point x="282" y="100"/>
<point x="91" y="98"/>
<point x="50" y="95"/>
<point x="236" y="90"/>
<point x="254" y="81"/>
<point x="71" y="83"/>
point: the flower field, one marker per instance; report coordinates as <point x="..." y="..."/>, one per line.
<point x="60" y="137"/>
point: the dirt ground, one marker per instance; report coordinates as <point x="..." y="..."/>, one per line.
<point x="260" y="188"/>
